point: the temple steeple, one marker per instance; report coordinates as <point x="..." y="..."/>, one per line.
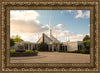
<point x="50" y="30"/>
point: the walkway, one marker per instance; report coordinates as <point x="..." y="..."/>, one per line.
<point x="53" y="57"/>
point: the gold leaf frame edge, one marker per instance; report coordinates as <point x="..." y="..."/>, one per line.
<point x="48" y="69"/>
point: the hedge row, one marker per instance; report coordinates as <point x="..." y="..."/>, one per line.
<point x="77" y="51"/>
<point x="27" y="51"/>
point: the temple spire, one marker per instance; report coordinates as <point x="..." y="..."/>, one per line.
<point x="50" y="30"/>
<point x="68" y="37"/>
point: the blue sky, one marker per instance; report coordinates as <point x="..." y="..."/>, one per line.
<point x="30" y="24"/>
<point x="77" y="25"/>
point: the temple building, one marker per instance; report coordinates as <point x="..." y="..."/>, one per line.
<point x="52" y="42"/>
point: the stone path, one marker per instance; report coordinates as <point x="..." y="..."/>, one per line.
<point x="53" y="57"/>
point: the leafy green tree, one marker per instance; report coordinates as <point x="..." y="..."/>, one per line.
<point x="86" y="41"/>
<point x="87" y="37"/>
<point x="87" y="44"/>
<point x="17" y="38"/>
<point x="12" y="43"/>
<point x="43" y="47"/>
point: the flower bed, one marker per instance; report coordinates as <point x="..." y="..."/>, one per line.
<point x="22" y="54"/>
<point x="14" y="53"/>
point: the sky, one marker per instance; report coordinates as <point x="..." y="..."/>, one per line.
<point x="66" y="25"/>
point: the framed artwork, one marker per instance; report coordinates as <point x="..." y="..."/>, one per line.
<point x="49" y="36"/>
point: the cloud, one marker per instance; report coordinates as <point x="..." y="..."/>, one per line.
<point x="66" y="11"/>
<point x="81" y="14"/>
<point x="62" y="35"/>
<point x="60" y="26"/>
<point x="26" y="21"/>
<point x="69" y="10"/>
<point x="24" y="14"/>
<point x="78" y="13"/>
<point x="77" y="37"/>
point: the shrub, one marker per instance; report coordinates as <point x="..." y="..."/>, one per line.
<point x="61" y="51"/>
<point x="69" y="52"/>
<point x="85" y="51"/>
<point x="43" y="47"/>
<point x="20" y="50"/>
<point x="12" y="51"/>
<point x="79" y="51"/>
<point x="36" y="51"/>
<point x="28" y="51"/>
<point x="72" y="51"/>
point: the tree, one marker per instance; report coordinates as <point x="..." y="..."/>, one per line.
<point x="87" y="44"/>
<point x="12" y="43"/>
<point x="17" y="38"/>
<point x="43" y="47"/>
<point x="87" y="37"/>
<point x="86" y="41"/>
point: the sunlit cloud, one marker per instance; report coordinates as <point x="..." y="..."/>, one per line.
<point x="80" y="14"/>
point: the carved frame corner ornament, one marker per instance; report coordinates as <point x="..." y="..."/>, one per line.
<point x="7" y="6"/>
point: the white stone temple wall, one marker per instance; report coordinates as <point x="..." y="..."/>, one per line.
<point x="72" y="46"/>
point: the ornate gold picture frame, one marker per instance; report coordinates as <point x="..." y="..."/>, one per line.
<point x="6" y="6"/>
